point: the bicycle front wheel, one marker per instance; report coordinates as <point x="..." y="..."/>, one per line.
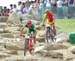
<point x="25" y="46"/>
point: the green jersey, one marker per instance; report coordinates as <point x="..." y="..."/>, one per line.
<point x="31" y="29"/>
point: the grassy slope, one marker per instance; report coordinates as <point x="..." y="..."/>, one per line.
<point x="67" y="25"/>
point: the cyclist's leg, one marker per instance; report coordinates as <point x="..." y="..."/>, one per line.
<point x="46" y="35"/>
<point x="53" y="32"/>
<point x="54" y="29"/>
<point x="34" y="35"/>
<point x="32" y="42"/>
<point x="29" y="42"/>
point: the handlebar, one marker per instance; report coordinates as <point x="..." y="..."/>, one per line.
<point x="27" y="36"/>
<point x="22" y="35"/>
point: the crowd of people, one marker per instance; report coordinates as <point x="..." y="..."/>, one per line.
<point x="62" y="8"/>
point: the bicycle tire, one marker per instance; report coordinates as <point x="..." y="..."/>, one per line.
<point x="32" y="46"/>
<point x="50" y="38"/>
<point x="52" y="35"/>
<point x="47" y="37"/>
<point x="25" y="46"/>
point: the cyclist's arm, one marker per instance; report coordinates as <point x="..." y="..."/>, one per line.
<point x="44" y="18"/>
<point x="53" y="19"/>
<point x="34" y="27"/>
<point x="21" y="30"/>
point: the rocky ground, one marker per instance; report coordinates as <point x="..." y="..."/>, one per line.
<point x="11" y="45"/>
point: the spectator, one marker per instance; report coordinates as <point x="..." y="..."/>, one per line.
<point x="5" y="9"/>
<point x="14" y="8"/>
<point x="27" y="5"/>
<point x="1" y="11"/>
<point x="35" y="10"/>
<point x="74" y="8"/>
<point x="19" y="8"/>
<point x="48" y="4"/>
<point x="70" y="8"/>
<point x="53" y="6"/>
<point x="23" y="8"/>
<point x="11" y="8"/>
<point x="65" y="8"/>
<point x="40" y="9"/>
<point x="8" y="10"/>
<point x="6" y="13"/>
<point x="30" y="7"/>
<point x="60" y="9"/>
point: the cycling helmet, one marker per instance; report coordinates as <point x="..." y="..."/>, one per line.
<point x="47" y="10"/>
<point x="29" y="22"/>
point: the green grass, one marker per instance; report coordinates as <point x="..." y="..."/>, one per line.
<point x="67" y="25"/>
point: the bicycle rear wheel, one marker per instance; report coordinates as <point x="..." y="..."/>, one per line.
<point x="52" y="36"/>
<point x="47" y="36"/>
<point x="32" y="46"/>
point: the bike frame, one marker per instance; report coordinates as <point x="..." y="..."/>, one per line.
<point x="49" y="34"/>
<point x="28" y="44"/>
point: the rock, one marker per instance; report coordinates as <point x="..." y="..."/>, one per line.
<point x="11" y="35"/>
<point x="62" y="37"/>
<point x="20" y="52"/>
<point x="12" y="40"/>
<point x="73" y="59"/>
<point x="67" y="55"/>
<point x="44" y="53"/>
<point x="40" y="39"/>
<point x="28" y="59"/>
<point x="57" y="46"/>
<point x="22" y="58"/>
<point x="11" y="46"/>
<point x="39" y="48"/>
<point x="40" y="36"/>
<point x="72" y="49"/>
<point x="52" y="53"/>
<point x="2" y="48"/>
<point x="3" y="19"/>
<point x="2" y="54"/>
<point x="11" y="58"/>
<point x="7" y="35"/>
<point x="13" y="28"/>
<point x="60" y="40"/>
<point x="3" y="25"/>
<point x="2" y="43"/>
<point x="14" y="19"/>
<point x="4" y="31"/>
<point x="1" y="30"/>
<point x="56" y="53"/>
<point x="14" y="46"/>
<point x="41" y="33"/>
<point x="12" y="52"/>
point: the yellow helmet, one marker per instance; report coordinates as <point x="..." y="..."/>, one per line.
<point x="47" y="10"/>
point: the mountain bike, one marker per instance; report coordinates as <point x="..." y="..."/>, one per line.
<point x="28" y="43"/>
<point x="50" y="37"/>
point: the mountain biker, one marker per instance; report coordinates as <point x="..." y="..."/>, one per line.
<point x="48" y="18"/>
<point x="31" y="28"/>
